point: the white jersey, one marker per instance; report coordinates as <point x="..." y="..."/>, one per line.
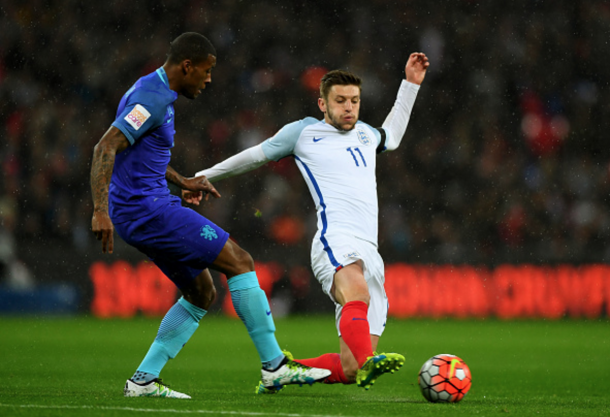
<point x="339" y="169"/>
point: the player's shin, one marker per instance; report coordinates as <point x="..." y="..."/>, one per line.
<point x="355" y="330"/>
<point x="175" y="330"/>
<point x="252" y="307"/>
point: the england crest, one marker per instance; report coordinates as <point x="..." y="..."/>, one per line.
<point x="363" y="138"/>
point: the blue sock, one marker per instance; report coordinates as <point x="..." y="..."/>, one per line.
<point x="252" y="307"/>
<point x="175" y="330"/>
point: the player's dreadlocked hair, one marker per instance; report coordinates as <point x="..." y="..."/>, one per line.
<point x="338" y="77"/>
<point x="190" y="45"/>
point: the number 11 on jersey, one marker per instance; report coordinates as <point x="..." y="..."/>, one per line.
<point x="354" y="155"/>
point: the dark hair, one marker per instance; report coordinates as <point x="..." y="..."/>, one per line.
<point x="338" y="77"/>
<point x="190" y="45"/>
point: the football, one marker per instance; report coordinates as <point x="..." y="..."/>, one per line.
<point x="444" y="379"/>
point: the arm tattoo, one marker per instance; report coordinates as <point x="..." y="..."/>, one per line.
<point x="101" y="172"/>
<point x="102" y="166"/>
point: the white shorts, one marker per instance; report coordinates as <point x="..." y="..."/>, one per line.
<point x="343" y="250"/>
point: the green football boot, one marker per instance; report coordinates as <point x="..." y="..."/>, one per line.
<point x="377" y="365"/>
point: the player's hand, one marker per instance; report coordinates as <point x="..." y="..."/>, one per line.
<point x="192" y="197"/>
<point x="416" y="67"/>
<point x="104" y="230"/>
<point x="194" y="188"/>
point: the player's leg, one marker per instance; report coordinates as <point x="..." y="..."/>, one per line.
<point x="358" y="286"/>
<point x="379" y="363"/>
<point x="250" y="301"/>
<point x="176" y="328"/>
<point x="343" y="366"/>
<point x="201" y="292"/>
<point x="182" y="244"/>
<point x="351" y="291"/>
<point x="351" y="286"/>
<point x="252" y="307"/>
<point x="332" y="362"/>
<point x="349" y="364"/>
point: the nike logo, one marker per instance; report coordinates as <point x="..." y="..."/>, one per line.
<point x="318" y="139"/>
<point x="268" y="312"/>
<point x="358" y="318"/>
<point x="452" y="368"/>
<point x="170" y="120"/>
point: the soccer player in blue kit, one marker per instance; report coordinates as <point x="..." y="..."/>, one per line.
<point x="129" y="175"/>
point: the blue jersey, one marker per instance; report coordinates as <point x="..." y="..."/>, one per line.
<point x="146" y="117"/>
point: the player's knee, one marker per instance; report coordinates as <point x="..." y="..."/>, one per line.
<point x="365" y="298"/>
<point x="201" y="294"/>
<point x="201" y="299"/>
<point x="233" y="260"/>
<point x="358" y="296"/>
<point x="211" y="295"/>
<point x="243" y="261"/>
<point x="361" y="293"/>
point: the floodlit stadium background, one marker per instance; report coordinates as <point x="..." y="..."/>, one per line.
<point x="497" y="199"/>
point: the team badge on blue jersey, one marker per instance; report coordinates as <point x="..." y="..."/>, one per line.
<point x="363" y="138"/>
<point x="208" y="233"/>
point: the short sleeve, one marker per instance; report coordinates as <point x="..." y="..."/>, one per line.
<point x="143" y="112"/>
<point x="283" y="142"/>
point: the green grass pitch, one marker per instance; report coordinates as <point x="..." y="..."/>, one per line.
<point x="77" y="366"/>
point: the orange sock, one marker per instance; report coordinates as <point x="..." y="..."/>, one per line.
<point x="330" y="361"/>
<point x="355" y="330"/>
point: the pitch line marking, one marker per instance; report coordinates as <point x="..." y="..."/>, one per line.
<point x="161" y="410"/>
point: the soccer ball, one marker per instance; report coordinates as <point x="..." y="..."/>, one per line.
<point x="444" y="379"/>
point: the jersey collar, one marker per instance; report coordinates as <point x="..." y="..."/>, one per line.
<point x="163" y="75"/>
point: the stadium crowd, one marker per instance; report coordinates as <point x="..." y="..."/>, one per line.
<point x="504" y="159"/>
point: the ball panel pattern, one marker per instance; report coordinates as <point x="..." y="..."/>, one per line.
<point x="444" y="378"/>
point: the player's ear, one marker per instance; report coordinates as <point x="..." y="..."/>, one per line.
<point x="322" y="105"/>
<point x="186" y="66"/>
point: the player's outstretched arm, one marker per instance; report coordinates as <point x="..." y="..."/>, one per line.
<point x="240" y="163"/>
<point x="245" y="161"/>
<point x="104" y="153"/>
<point x="395" y="125"/>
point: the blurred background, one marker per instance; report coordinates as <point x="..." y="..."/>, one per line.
<point x="505" y="161"/>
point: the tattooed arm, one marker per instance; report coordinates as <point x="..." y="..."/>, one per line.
<point x="113" y="142"/>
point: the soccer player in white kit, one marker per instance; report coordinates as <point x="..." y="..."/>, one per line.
<point x="337" y="157"/>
